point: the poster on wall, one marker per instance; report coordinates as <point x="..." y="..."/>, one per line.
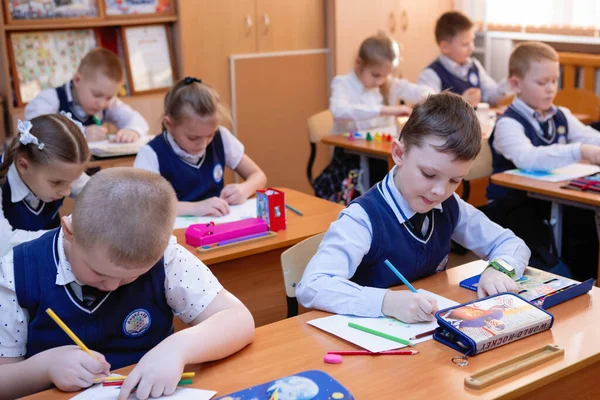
<point x="27" y="10"/>
<point x="129" y="7"/>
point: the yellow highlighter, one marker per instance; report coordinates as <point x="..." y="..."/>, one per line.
<point x="69" y="332"/>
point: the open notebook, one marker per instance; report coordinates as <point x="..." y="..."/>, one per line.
<point x="238" y="212"/>
<point x="105" y="148"/>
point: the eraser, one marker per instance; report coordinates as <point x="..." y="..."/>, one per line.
<point x="332" y="359"/>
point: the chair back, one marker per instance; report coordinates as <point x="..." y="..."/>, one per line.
<point x="579" y="101"/>
<point x="319" y="126"/>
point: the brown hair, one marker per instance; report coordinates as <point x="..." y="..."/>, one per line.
<point x="451" y="24"/>
<point x="129" y="212"/>
<point x="449" y="116"/>
<point x="192" y="96"/>
<point x="378" y="49"/>
<point x="525" y="53"/>
<point x="101" y="61"/>
<point x="60" y="139"/>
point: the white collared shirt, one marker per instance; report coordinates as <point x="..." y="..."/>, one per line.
<point x="326" y="281"/>
<point x="117" y="113"/>
<point x="356" y="108"/>
<point x="511" y="142"/>
<point x="189" y="288"/>
<point x="232" y="147"/>
<point x="10" y="237"/>
<point x="491" y="92"/>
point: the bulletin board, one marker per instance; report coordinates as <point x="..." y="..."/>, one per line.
<point x="31" y="12"/>
<point x="116" y="8"/>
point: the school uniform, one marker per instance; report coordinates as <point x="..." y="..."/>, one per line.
<point x="194" y="177"/>
<point x="54" y="100"/>
<point x="446" y="74"/>
<point x="347" y="274"/>
<point x="23" y="216"/>
<point x="525" y="139"/>
<point x="123" y="324"/>
<point x="356" y="108"/>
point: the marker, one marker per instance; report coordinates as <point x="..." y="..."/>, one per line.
<point x="96" y="120"/>
<point x="400" y="276"/>
<point x="294" y="210"/>
<point x="185" y="375"/>
<point x="422" y="335"/>
<point x="370" y="353"/>
<point x="380" y="334"/>
<point x="120" y="383"/>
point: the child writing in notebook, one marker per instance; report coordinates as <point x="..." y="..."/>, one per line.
<point x="41" y="166"/>
<point x="454" y="69"/>
<point x="366" y="99"/>
<point x="115" y="275"/>
<point x="90" y="98"/>
<point x="533" y="134"/>
<point x="410" y="218"/>
<point x="194" y="149"/>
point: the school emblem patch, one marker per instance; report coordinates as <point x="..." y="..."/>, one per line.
<point x="442" y="265"/>
<point x="218" y="173"/>
<point x="137" y="323"/>
<point x="473" y="78"/>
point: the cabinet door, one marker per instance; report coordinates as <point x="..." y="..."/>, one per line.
<point x="290" y="25"/>
<point x="209" y="32"/>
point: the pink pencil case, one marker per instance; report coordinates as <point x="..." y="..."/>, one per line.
<point x="204" y="234"/>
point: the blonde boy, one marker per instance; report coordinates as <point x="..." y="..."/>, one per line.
<point x="90" y="98"/>
<point x="116" y="277"/>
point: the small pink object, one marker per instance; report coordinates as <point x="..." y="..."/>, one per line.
<point x="198" y="235"/>
<point x="332" y="359"/>
<point x="351" y="137"/>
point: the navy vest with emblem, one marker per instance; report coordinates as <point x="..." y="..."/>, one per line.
<point x="128" y="323"/>
<point x="454" y="83"/>
<point x="65" y="105"/>
<point x="21" y="215"/>
<point x="414" y="257"/>
<point x="192" y="182"/>
<point x="501" y="163"/>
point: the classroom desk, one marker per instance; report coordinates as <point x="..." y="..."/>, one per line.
<point x="552" y="192"/>
<point x="290" y="346"/>
<point x="252" y="271"/>
<point x="110" y="162"/>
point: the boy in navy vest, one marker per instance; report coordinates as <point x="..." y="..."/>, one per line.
<point x="410" y="218"/>
<point x="90" y="98"/>
<point x="115" y="275"/>
<point x="533" y="134"/>
<point x="454" y="69"/>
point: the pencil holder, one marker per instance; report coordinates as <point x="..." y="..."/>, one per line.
<point x="270" y="206"/>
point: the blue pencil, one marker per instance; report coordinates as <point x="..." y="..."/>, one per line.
<point x="294" y="210"/>
<point x="400" y="276"/>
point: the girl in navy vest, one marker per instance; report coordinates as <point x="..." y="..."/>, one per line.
<point x="42" y="165"/>
<point x="410" y="218"/>
<point x="116" y="276"/>
<point x="366" y="99"/>
<point x="194" y="149"/>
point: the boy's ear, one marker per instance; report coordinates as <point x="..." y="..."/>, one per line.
<point x="444" y="44"/>
<point x="77" y="78"/>
<point x="67" y="227"/>
<point x="398" y="151"/>
<point x="515" y="84"/>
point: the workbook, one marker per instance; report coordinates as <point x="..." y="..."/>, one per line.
<point x="106" y="148"/>
<point x="559" y="174"/>
<point x="236" y="213"/>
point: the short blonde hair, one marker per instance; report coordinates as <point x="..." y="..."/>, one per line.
<point x="129" y="212"/>
<point x="527" y="52"/>
<point x="101" y="61"/>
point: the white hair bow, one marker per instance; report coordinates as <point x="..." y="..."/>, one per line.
<point x="73" y="120"/>
<point x="25" y="137"/>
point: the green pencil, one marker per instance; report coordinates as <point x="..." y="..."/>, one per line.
<point x="96" y="120"/>
<point x="380" y="334"/>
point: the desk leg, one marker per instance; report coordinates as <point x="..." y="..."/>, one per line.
<point x="556" y="215"/>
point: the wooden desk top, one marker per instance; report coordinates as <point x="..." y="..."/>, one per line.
<point x="290" y="346"/>
<point x="318" y="214"/>
<point x="381" y="149"/>
<point x="552" y="189"/>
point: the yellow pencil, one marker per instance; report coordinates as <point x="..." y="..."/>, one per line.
<point x="185" y="375"/>
<point x="69" y="332"/>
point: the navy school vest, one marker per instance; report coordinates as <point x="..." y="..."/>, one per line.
<point x="192" y="182"/>
<point x="415" y="258"/>
<point x="65" y="105"/>
<point x="454" y="83"/>
<point x="501" y="164"/>
<point x="21" y="215"/>
<point x="128" y="323"/>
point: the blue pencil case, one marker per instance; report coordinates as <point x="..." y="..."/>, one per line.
<point x="306" y="385"/>
<point x="490" y="322"/>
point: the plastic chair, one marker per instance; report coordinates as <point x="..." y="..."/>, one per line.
<point x="319" y="126"/>
<point x="579" y="101"/>
<point x="293" y="263"/>
<point x="482" y="167"/>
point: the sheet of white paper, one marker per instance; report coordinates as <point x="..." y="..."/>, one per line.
<point x="338" y="325"/>
<point x="104" y="148"/>
<point x="99" y="392"/>
<point x="572" y="171"/>
<point x="238" y="212"/>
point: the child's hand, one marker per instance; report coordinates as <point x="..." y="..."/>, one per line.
<point x="409" y="307"/>
<point x="396" y="111"/>
<point x="493" y="282"/>
<point x="233" y="194"/>
<point x="472" y="96"/>
<point x="125" y="136"/>
<point x="590" y="153"/>
<point x="71" y="368"/>
<point x="93" y="133"/>
<point x="213" y="206"/>
<point x="157" y="374"/>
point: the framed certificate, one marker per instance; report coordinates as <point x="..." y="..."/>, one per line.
<point x="149" y="58"/>
<point x="32" y="12"/>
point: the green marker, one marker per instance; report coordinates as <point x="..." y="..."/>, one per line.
<point x="380" y="334"/>
<point x="96" y="120"/>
